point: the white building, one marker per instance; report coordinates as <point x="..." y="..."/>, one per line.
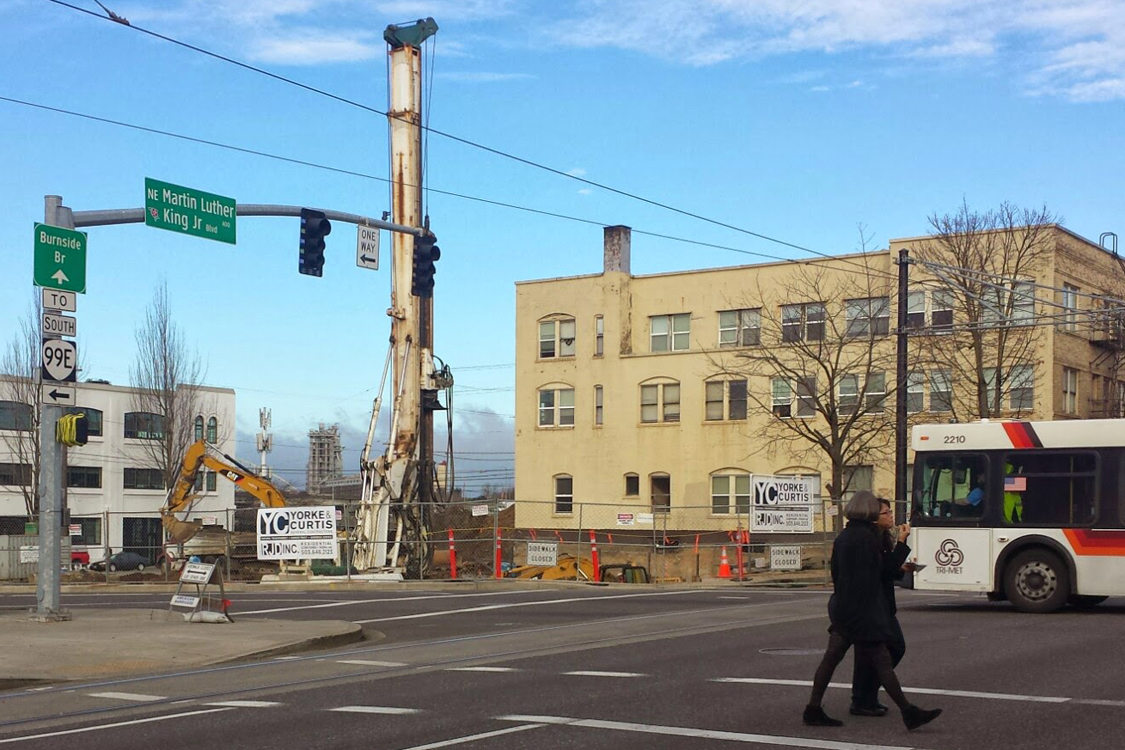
<point x="112" y="490"/>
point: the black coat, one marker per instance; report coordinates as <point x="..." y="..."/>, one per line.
<point x="859" y="608"/>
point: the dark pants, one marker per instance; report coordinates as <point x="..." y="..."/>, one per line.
<point x="865" y="682"/>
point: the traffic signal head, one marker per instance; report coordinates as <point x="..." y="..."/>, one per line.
<point x="314" y="228"/>
<point x="422" y="274"/>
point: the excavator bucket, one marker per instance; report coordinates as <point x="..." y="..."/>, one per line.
<point x="180" y="531"/>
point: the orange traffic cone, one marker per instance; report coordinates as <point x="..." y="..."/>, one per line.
<point x="724" y="565"/>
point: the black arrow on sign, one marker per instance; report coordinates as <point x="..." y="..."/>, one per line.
<point x="59" y="395"/>
<point x="367" y="258"/>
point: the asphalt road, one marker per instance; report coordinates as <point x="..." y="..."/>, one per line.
<point x="601" y="668"/>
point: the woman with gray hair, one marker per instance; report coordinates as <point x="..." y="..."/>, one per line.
<point x="859" y="614"/>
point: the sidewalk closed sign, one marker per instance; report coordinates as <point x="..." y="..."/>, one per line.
<point x="296" y="533"/>
<point x="781" y="504"/>
<point x="542" y="553"/>
<point x="785" y="558"/>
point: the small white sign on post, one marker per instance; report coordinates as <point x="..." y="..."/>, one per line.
<point x="194" y="572"/>
<point x="480" y="510"/>
<point x="785" y="558"/>
<point x="367" y="247"/>
<point x="542" y="553"/>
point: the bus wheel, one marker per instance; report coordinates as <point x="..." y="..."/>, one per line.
<point x="1087" y="601"/>
<point x="1037" y="581"/>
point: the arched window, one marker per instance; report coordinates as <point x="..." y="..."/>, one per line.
<point x="199" y="428"/>
<point x="556" y="336"/>
<point x="212" y="430"/>
<point x="730" y="492"/>
<point x="661" y="492"/>
<point x="564" y="493"/>
<point x="15" y="415"/>
<point x="556" y="405"/>
<point x="660" y="401"/>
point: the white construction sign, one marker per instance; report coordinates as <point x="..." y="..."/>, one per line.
<point x="296" y="533"/>
<point x="782" y="505"/>
<point x="542" y="553"/>
<point x="785" y="558"/>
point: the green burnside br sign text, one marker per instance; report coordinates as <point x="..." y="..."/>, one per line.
<point x="189" y="211"/>
<point x="60" y="258"/>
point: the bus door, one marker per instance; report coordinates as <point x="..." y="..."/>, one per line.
<point x="956" y="559"/>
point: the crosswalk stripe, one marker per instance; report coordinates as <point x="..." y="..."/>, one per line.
<point x="481" y="669"/>
<point x="371" y="663"/>
<point x="375" y="710"/>
<point x="244" y="704"/>
<point x="140" y="697"/>
<point x="591" y="673"/>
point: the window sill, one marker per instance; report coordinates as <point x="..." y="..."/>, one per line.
<point x="549" y="427"/>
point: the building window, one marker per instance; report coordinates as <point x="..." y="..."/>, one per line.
<point x="941" y="391"/>
<point x="93" y="418"/>
<point x="1018" y="298"/>
<point x="143" y="479"/>
<point x="740" y="327"/>
<point x="661" y="492"/>
<point x="847" y="398"/>
<point x="1069" y="307"/>
<point x="802" y="322"/>
<point x="876" y="392"/>
<point x="90" y="531"/>
<point x="198" y="428"/>
<point x="143" y="425"/>
<point x="660" y="402"/>
<point x="599" y="335"/>
<point x="556" y="407"/>
<point x="85" y="477"/>
<point x="208" y="478"/>
<point x="782" y="398"/>
<point x="15" y="475"/>
<point x="564" y="493"/>
<point x="806" y="396"/>
<point x="15" y="415"/>
<point x="1070" y="390"/>
<point x="598" y="404"/>
<point x="916" y="310"/>
<point x="915" y="392"/>
<point x="556" y="338"/>
<point x="212" y="430"/>
<point x="1022" y="391"/>
<point x="870" y="316"/>
<point x="670" y="333"/>
<point x="941" y="311"/>
<point x="725" y="399"/>
<point x="632" y="485"/>
<point x="730" y="493"/>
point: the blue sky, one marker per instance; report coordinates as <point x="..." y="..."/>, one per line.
<point x="800" y="122"/>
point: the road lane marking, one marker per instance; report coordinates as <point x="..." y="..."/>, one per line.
<point x="473" y="737"/>
<point x="128" y="696"/>
<point x="350" y="602"/>
<point x="245" y="704"/>
<point x="711" y="734"/>
<point x="391" y="710"/>
<point x="113" y="726"/>
<point x="591" y="673"/>
<point x="372" y="663"/>
<point x="486" y="607"/>
<point x="908" y="689"/>
<point x="481" y="669"/>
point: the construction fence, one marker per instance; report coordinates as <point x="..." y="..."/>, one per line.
<point x="474" y="540"/>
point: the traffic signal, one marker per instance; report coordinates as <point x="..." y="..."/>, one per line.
<point x="422" y="274"/>
<point x="314" y="228"/>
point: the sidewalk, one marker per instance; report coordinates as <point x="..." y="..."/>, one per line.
<point x="105" y="643"/>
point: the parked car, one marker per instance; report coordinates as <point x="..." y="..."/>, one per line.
<point x="122" y="561"/>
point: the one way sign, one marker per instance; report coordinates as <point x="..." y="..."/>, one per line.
<point x="367" y="247"/>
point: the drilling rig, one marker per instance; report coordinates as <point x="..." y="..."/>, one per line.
<point x="393" y="519"/>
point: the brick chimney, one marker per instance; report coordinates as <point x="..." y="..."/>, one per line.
<point x="617" y="245"/>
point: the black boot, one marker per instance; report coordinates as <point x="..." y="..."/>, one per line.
<point x="815" y="717"/>
<point x="914" y="717"/>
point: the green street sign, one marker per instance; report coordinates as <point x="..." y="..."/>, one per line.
<point x="189" y="211"/>
<point x="60" y="258"/>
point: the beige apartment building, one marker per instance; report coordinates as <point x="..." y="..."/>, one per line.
<point x="663" y="393"/>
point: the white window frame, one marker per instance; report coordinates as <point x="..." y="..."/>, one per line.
<point x="803" y="321"/>
<point x="662" y="508"/>
<point x="719" y="404"/>
<point x="781" y="394"/>
<point x="554" y="411"/>
<point x="563" y="496"/>
<point x="738" y="328"/>
<point x="730" y="493"/>
<point x="670" y="333"/>
<point x="556" y="338"/>
<point x="598" y="409"/>
<point x="663" y="400"/>
<point x="867" y="317"/>
<point x="941" y="382"/>
<point x="1070" y="390"/>
<point x="1069" y="307"/>
<point x="915" y="392"/>
<point x="599" y="335"/>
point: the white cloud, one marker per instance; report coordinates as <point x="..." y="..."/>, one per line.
<point x="483" y="77"/>
<point x="576" y="172"/>
<point x="305" y="51"/>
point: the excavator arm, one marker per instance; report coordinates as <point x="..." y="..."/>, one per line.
<point x="180" y="498"/>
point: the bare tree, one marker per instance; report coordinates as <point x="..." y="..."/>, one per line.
<point x="21" y="389"/>
<point x="824" y="368"/>
<point x="987" y="262"/>
<point x="167" y="379"/>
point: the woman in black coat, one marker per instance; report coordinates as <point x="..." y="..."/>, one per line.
<point x="859" y="613"/>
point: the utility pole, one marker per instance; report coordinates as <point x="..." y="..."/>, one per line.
<point x="901" y="377"/>
<point x="48" y="581"/>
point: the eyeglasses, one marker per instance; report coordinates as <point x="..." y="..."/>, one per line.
<point x="886" y="512"/>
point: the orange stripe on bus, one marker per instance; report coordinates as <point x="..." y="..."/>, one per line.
<point x="1089" y="542"/>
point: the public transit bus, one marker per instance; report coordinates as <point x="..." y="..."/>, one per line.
<point x="1031" y="512"/>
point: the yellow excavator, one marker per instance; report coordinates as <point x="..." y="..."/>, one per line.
<point x="199" y="456"/>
